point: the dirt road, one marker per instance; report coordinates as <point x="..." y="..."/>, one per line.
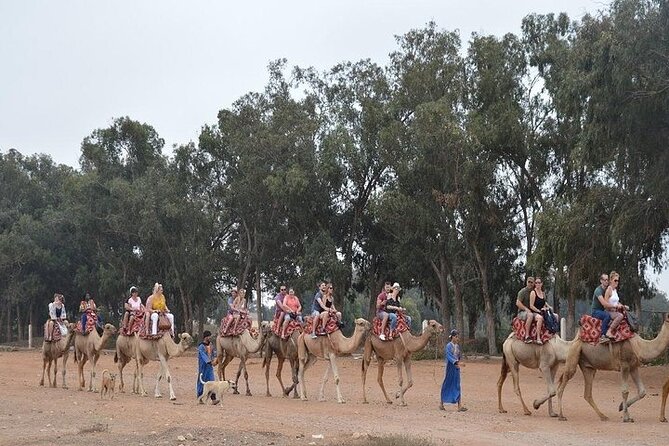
<point x="30" y="415"/>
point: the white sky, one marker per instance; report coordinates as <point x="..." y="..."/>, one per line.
<point x="71" y="66"/>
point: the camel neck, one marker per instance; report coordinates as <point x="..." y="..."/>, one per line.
<point x="647" y="350"/>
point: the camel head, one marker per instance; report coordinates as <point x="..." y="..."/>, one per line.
<point x="362" y="324"/>
<point x="434" y="327"/>
<point x="185" y="337"/>
<point x="109" y="329"/>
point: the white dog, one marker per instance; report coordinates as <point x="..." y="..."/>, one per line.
<point x="215" y="387"/>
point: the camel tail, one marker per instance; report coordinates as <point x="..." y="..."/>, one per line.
<point x="505" y="367"/>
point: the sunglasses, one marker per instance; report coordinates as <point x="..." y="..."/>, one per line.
<point x="282" y="289"/>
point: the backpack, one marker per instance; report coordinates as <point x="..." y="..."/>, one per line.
<point x="551" y="321"/>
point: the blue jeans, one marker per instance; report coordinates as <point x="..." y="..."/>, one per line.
<point x="605" y="317"/>
<point x="392" y="317"/>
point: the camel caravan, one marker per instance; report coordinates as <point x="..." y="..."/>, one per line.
<point x="607" y="340"/>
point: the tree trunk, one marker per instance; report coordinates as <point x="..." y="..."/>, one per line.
<point x="258" y="297"/>
<point x="8" y="333"/>
<point x="200" y="319"/>
<point x="487" y="300"/>
<point x="571" y="304"/>
<point x="459" y="305"/>
<point x="19" y="324"/>
<point x="472" y="319"/>
<point x="444" y="296"/>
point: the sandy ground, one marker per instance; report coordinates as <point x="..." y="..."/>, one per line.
<point x="31" y="415"/>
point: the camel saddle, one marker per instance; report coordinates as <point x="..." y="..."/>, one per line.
<point x="401" y="327"/>
<point x="591" y="330"/>
<point x="144" y="331"/>
<point x="91" y="320"/>
<point x="56" y="335"/>
<point x="519" y="330"/>
<point x="227" y="324"/>
<point x="135" y="325"/>
<point x="292" y="326"/>
<point x="331" y="327"/>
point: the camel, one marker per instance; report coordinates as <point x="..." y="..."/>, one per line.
<point x="625" y="357"/>
<point x="51" y="351"/>
<point x="230" y="347"/>
<point x="399" y="349"/>
<point x="546" y="358"/>
<point x="88" y="347"/>
<point x="283" y="349"/>
<point x="125" y="352"/>
<point x="161" y="349"/>
<point x="328" y="347"/>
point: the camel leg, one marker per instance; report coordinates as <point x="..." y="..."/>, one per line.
<point x="44" y="368"/>
<point x="400" y="378"/>
<point x="516" y="385"/>
<point x="321" y="392"/>
<point x="549" y="375"/>
<point x="267" y="363"/>
<point x="161" y="374"/>
<point x="366" y="360"/>
<point x="500" y="383"/>
<point x="66" y="356"/>
<point x="641" y="389"/>
<point x="379" y="377"/>
<point x="55" y="374"/>
<point x="305" y="363"/>
<point x="407" y="365"/>
<point x="665" y="392"/>
<point x="221" y="368"/>
<point x="589" y="377"/>
<point x="168" y="377"/>
<point x="335" y="372"/>
<point x="92" y="386"/>
<point x="279" y="370"/>
<point x="293" y="370"/>
<point x="140" y="371"/>
<point x="82" y="362"/>
<point x="121" y="364"/>
<point x="242" y="368"/>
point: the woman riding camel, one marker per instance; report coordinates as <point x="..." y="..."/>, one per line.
<point x="613" y="306"/>
<point x="57" y="315"/>
<point x="133" y="304"/>
<point x="156" y="305"/>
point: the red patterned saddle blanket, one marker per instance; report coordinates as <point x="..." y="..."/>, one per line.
<point x="292" y="326"/>
<point x="519" y="331"/>
<point x="136" y="322"/>
<point x="591" y="330"/>
<point x="228" y="328"/>
<point x="56" y="334"/>
<point x="144" y="330"/>
<point x="331" y="327"/>
<point x="401" y="327"/>
<point x="91" y="320"/>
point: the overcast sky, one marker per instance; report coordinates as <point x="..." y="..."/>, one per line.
<point x="70" y="67"/>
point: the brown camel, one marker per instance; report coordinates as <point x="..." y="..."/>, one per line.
<point x="399" y="349"/>
<point x="283" y="349"/>
<point x="328" y="347"/>
<point x="162" y="350"/>
<point x="88" y="347"/>
<point x="125" y="352"/>
<point x="51" y="351"/>
<point x="546" y="358"/>
<point x="230" y="347"/>
<point x="625" y="357"/>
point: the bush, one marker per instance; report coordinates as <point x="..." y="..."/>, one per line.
<point x="393" y="440"/>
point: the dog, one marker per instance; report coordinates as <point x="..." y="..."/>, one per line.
<point x="108" y="384"/>
<point x="215" y="387"/>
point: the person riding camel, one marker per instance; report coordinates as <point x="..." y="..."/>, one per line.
<point x="87" y="308"/>
<point x="57" y="316"/>
<point x="155" y="306"/>
<point x="133" y="304"/>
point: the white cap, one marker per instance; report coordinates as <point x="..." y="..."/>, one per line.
<point x="396" y="285"/>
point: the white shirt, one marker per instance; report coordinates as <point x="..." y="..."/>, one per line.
<point x="614" y="299"/>
<point x="52" y="311"/>
<point x="135" y="304"/>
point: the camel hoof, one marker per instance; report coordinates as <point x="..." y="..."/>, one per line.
<point x="562" y="418"/>
<point x="248" y="394"/>
<point x="552" y="415"/>
<point x="158" y="396"/>
<point x="663" y="420"/>
<point x="341" y="402"/>
<point x="628" y="420"/>
<point x="173" y="398"/>
<point x="536" y="406"/>
<point x="268" y="395"/>
<point x="365" y="402"/>
<point x="389" y="402"/>
<point x="65" y="387"/>
<point x="528" y="413"/>
<point x="604" y="418"/>
<point x="235" y="392"/>
<point x="502" y="411"/>
<point x="403" y="404"/>
<point x="620" y="407"/>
